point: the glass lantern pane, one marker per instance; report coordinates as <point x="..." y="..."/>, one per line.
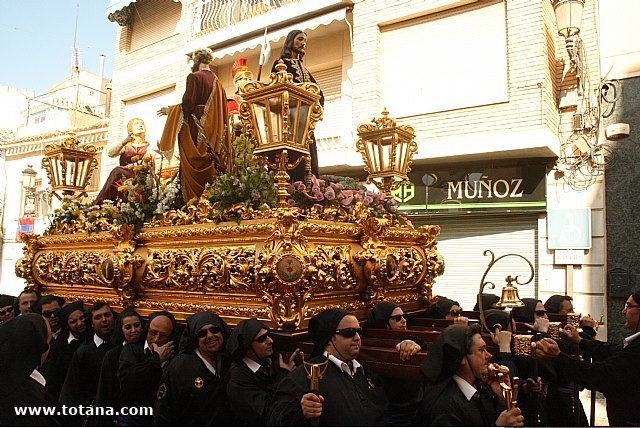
<point x="71" y="173"/>
<point x="386" y="146"/>
<point x="401" y="155"/>
<point x="274" y="120"/>
<point x="260" y="114"/>
<point x="298" y="118"/>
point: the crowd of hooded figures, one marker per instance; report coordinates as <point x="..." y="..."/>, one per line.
<point x="205" y="373"/>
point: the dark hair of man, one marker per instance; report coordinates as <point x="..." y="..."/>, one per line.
<point x="471" y="331"/>
<point x="29" y="291"/>
<point x="96" y="307"/>
<point x="554" y="303"/>
<point x="287" y="48"/>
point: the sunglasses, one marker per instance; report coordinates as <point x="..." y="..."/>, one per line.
<point x="51" y="314"/>
<point x="396" y="318"/>
<point x="262" y="338"/>
<point x="203" y="333"/>
<point x="455" y="312"/>
<point x="4" y="312"/>
<point x="540" y="313"/>
<point x="349" y="332"/>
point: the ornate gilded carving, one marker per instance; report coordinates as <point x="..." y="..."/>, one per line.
<point x="230" y="309"/>
<point x="224" y="269"/>
<point x="331" y="268"/>
<point x="281" y="269"/>
<point x="24" y="265"/>
<point x="523" y="345"/>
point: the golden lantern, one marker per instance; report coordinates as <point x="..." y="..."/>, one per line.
<point x="69" y="165"/>
<point x="387" y="151"/>
<point x="280" y="117"/>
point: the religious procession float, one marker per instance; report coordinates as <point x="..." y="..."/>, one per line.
<point x="253" y="244"/>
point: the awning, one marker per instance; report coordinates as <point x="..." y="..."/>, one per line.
<point x="222" y="48"/>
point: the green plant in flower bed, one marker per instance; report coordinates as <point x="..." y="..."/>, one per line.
<point x="247" y="186"/>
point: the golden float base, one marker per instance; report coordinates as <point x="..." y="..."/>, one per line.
<point x="282" y="270"/>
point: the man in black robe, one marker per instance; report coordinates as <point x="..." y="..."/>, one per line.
<point x="251" y="379"/>
<point x="81" y="383"/>
<point x="26" y="299"/>
<point x="455" y="393"/>
<point x="49" y="306"/>
<point x="348" y="394"/>
<point x="614" y="370"/>
<point x="73" y="328"/>
<point x="24" y="345"/>
<point x="192" y="390"/>
<point x="140" y="366"/>
<point x="7" y="307"/>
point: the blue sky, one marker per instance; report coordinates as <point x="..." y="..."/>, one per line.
<point x="36" y="37"/>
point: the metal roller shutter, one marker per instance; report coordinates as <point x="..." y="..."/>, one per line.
<point x="462" y="243"/>
<point x="329" y="80"/>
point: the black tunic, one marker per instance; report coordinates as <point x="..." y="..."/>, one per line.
<point x="31" y="394"/>
<point x="615" y="372"/>
<point x="108" y="391"/>
<point x="139" y="375"/>
<point x="445" y="405"/>
<point x="81" y="383"/>
<point x="250" y="393"/>
<point x="357" y="401"/>
<point x="190" y="395"/>
<point x="55" y="368"/>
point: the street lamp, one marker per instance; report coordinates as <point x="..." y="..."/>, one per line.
<point x="29" y="185"/>
<point x="69" y="165"/>
<point x="568" y="19"/>
<point x="280" y="117"/>
<point x="387" y="150"/>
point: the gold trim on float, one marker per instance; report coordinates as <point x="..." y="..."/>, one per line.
<point x="281" y="269"/>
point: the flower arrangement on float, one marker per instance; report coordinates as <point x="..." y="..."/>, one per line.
<point x="247" y="191"/>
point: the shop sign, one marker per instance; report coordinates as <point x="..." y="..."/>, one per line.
<point x="517" y="188"/>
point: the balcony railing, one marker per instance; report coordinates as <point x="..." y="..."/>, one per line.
<point x="211" y="15"/>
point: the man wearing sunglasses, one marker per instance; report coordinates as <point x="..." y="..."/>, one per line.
<point x="49" y="307"/>
<point x="348" y="395"/>
<point x="614" y="370"/>
<point x="251" y="378"/>
<point x="192" y="390"/>
<point x="7" y="307"/>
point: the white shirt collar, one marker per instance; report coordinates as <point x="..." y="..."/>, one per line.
<point x="146" y="346"/>
<point x="207" y="364"/>
<point x="343" y="366"/>
<point x="630" y="339"/>
<point x="71" y="338"/>
<point x="97" y="340"/>
<point x="35" y="375"/>
<point x="253" y="365"/>
<point x="465" y="387"/>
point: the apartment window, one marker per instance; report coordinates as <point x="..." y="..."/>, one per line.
<point x="449" y="61"/>
<point x="153" y="21"/>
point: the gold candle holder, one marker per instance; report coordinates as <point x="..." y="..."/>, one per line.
<point x="523" y="345"/>
<point x="315" y="371"/>
<point x="555" y="330"/>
